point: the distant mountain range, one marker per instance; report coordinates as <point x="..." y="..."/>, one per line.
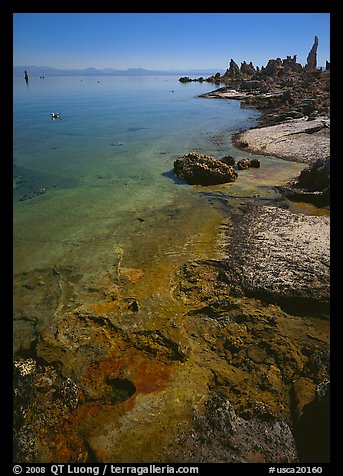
<point x="49" y="71"/>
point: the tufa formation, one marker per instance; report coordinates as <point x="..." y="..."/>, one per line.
<point x="275" y="68"/>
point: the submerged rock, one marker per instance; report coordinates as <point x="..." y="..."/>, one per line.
<point x="202" y="169"/>
<point x="43" y="401"/>
<point x="35" y="193"/>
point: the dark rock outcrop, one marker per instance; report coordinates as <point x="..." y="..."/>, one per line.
<point x="312" y="429"/>
<point x="201" y="169"/>
<point x="255" y="163"/>
<point x="33" y="380"/>
<point x="311" y="64"/>
<point x="243" y="164"/>
<point x="278" y="66"/>
<point x="316" y="177"/>
<point x="312" y="185"/>
<point x="228" y="160"/>
<point x="250" y="85"/>
<point x="247" y="69"/>
<point x="274" y="66"/>
<point x="185" y="79"/>
<point x="233" y="72"/>
<point x="276" y="75"/>
<point x="290" y="64"/>
<point x="215" y="78"/>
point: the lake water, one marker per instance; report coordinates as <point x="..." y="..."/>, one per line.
<point x="94" y="192"/>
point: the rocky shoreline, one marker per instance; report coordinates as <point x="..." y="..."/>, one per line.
<point x="296" y="139"/>
<point x="272" y="254"/>
<point x="232" y="367"/>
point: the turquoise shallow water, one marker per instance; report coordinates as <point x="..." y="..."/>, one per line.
<point x="105" y="168"/>
<point x="107" y="125"/>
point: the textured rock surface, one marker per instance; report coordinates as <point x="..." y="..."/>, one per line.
<point x="225" y="93"/>
<point x="275" y="70"/>
<point x="111" y="384"/>
<point x="273" y="67"/>
<point x="247" y="69"/>
<point x="311" y="64"/>
<point x="298" y="139"/>
<point x="243" y="164"/>
<point x="282" y="90"/>
<point x="228" y="160"/>
<point x="201" y="169"/>
<point x="233" y="71"/>
<point x="265" y="352"/>
<point x="277" y="66"/>
<point x="316" y="177"/>
<point x="282" y="256"/>
<point x="221" y="436"/>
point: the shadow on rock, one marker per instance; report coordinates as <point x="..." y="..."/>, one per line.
<point x="312" y="429"/>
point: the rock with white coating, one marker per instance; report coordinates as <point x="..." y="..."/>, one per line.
<point x="281" y="257"/>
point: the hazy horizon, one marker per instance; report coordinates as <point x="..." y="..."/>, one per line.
<point x="46" y="71"/>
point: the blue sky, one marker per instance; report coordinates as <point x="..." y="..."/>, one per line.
<point x="165" y="40"/>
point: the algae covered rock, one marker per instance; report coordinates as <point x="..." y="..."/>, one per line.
<point x="243" y="164"/>
<point x="255" y="163"/>
<point x="228" y="160"/>
<point x="202" y="169"/>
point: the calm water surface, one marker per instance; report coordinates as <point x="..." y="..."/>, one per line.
<point x="110" y="197"/>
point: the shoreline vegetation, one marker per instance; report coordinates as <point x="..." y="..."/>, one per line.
<point x="233" y="367"/>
